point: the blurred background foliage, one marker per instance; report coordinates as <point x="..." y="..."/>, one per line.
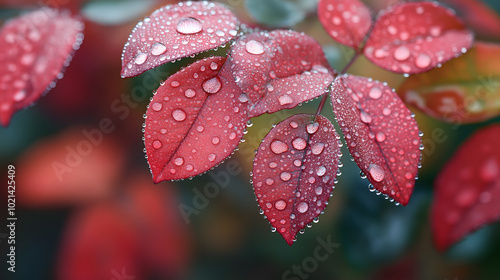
<point x="106" y="218"/>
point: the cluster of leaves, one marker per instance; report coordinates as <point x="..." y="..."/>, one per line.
<point x="198" y="116"/>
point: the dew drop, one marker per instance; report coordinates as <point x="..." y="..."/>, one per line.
<point x="189" y="25"/>
<point x="215" y="140"/>
<point x="285" y="176"/>
<point x="211" y="157"/>
<point x="157" y="144"/>
<point x="189" y="93"/>
<point x="321" y="171"/>
<point x="294" y="124"/>
<point x="278" y="147"/>
<point x="269" y="181"/>
<point x="140" y="58"/>
<point x="312" y="128"/>
<point x="380" y="137"/>
<point x="179" y="115"/>
<point x="375" y="93"/>
<point x="423" y="61"/>
<point x="285" y="99"/>
<point x="299" y="143"/>
<point x="376" y="172"/>
<point x="318" y="190"/>
<point x="214" y="66"/>
<point x="189" y="167"/>
<point x="365" y="117"/>
<point x="317" y="148"/>
<point x="212" y="85"/>
<point x="402" y="53"/>
<point x="232" y="136"/>
<point x="302" y="207"/>
<point x="297" y="163"/>
<point x="179" y="161"/>
<point x="157" y="106"/>
<point x="254" y="47"/>
<point x="158" y="48"/>
<point x="280" y="204"/>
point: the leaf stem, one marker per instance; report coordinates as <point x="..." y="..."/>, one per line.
<point x="346" y="67"/>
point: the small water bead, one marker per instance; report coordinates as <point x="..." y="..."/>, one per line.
<point x="278" y="147"/>
<point x="179" y="161"/>
<point x="214" y="66"/>
<point x="285" y="176"/>
<point x="189" y="167"/>
<point x="179" y="115"/>
<point x="156" y="106"/>
<point x="321" y="171"/>
<point x="254" y="47"/>
<point x="375" y="93"/>
<point x="175" y="84"/>
<point x="311" y="180"/>
<point x="232" y="136"/>
<point x="158" y="48"/>
<point x="302" y="207"/>
<point x="294" y="124"/>
<point x="273" y="164"/>
<point x="386" y="111"/>
<point x="212" y="157"/>
<point x="157" y="144"/>
<point x="269" y="181"/>
<point x="285" y="99"/>
<point x="280" y="204"/>
<point x="408" y="175"/>
<point x="200" y="128"/>
<point x="190" y="93"/>
<point x="299" y="143"/>
<point x="317" y="148"/>
<point x="376" y="172"/>
<point x="380" y="137"/>
<point x="297" y="163"/>
<point x="312" y="128"/>
<point x="423" y="61"/>
<point x="365" y="117"/>
<point x="189" y="26"/>
<point x="215" y="140"/>
<point x="140" y="58"/>
<point x="212" y="85"/>
<point x="402" y="53"/>
<point x="318" y="190"/>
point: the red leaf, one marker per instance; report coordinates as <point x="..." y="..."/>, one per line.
<point x="278" y="70"/>
<point x="347" y="21"/>
<point x="99" y="242"/>
<point x="34" y="48"/>
<point x="140" y="232"/>
<point x="380" y="132"/>
<point x="194" y="121"/>
<point x="294" y="172"/>
<point x="467" y="191"/>
<point x="74" y="167"/>
<point x="177" y="31"/>
<point x="415" y="37"/>
<point x="478" y="16"/>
